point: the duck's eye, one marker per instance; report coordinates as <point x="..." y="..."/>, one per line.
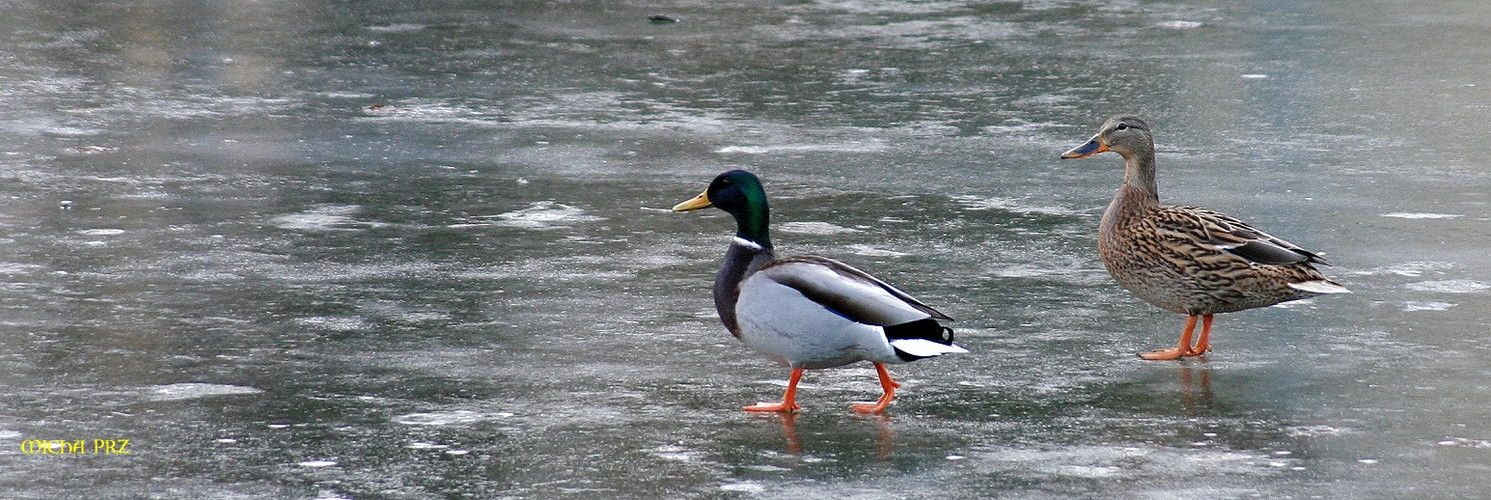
<point x="1121" y="126"/>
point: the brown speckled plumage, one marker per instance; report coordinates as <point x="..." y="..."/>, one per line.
<point x="1190" y="260"/>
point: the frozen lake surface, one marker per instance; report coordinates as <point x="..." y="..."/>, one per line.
<point x="291" y="249"/>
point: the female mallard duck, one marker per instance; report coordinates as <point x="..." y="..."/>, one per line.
<point x="810" y="312"/>
<point x="1190" y="260"/>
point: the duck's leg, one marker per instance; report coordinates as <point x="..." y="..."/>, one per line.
<point x="1203" y="343"/>
<point x="1183" y="348"/>
<point x="789" y="400"/>
<point x="888" y="385"/>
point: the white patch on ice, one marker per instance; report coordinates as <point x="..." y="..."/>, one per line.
<point x="335" y="324"/>
<point x="861" y="249"/>
<point x="102" y="232"/>
<point x="1316" y="430"/>
<point x="1450" y="286"/>
<point x="192" y="390"/>
<point x="1017" y="127"/>
<point x="334" y="94"/>
<point x="1010" y="205"/>
<point x="1419" y="305"/>
<point x="749" y="150"/>
<point x="1088" y="471"/>
<point x="1114" y="462"/>
<point x="17" y="268"/>
<point x="743" y="487"/>
<point x="1465" y="442"/>
<point x="544" y="215"/>
<point x="1420" y="215"/>
<point x="456" y="417"/>
<point x="814" y="228"/>
<point x="317" y="463"/>
<point x="852" y="147"/>
<point x="1413" y="269"/>
<point x="397" y="28"/>
<point x="1181" y="25"/>
<point x="324" y="218"/>
<point x="676" y="453"/>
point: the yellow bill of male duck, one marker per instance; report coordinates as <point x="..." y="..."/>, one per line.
<point x="1186" y="259"/>
<point x="809" y="312"/>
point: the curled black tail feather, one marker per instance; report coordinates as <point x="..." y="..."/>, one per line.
<point x="925" y="328"/>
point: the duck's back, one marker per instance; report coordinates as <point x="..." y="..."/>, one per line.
<point x="1191" y="260"/>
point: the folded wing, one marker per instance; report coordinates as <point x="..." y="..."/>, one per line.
<point x="849" y="292"/>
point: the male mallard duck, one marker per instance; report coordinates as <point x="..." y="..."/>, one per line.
<point x="810" y="312"/>
<point x="1190" y="260"/>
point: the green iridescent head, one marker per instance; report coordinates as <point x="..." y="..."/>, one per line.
<point x="739" y="193"/>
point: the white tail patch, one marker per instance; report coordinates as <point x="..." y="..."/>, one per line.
<point x="923" y="348"/>
<point x="1319" y="286"/>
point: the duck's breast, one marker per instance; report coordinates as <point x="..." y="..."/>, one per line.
<point x="789" y="327"/>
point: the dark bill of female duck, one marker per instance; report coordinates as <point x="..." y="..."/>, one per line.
<point x="1092" y="147"/>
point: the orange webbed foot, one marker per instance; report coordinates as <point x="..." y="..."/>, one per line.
<point x="776" y="407"/>
<point x="1184" y="348"/>
<point x="886" y="384"/>
<point x="789" y="399"/>
<point x="1165" y="354"/>
<point x="871" y="408"/>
